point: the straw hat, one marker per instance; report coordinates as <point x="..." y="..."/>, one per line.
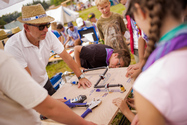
<point x="3" y="34"/>
<point x="34" y="14"/>
<point x="15" y="30"/>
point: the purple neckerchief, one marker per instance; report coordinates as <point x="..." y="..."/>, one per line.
<point x="108" y="54"/>
<point x="166" y="47"/>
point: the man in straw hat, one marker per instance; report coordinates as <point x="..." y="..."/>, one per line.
<point x="31" y="47"/>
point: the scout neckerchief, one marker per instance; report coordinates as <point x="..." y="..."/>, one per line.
<point x="171" y="41"/>
<point x="109" y="52"/>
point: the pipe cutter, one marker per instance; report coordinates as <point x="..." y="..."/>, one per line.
<point x="94" y="103"/>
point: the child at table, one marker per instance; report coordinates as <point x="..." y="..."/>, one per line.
<point x="158" y="89"/>
<point x="111" y="26"/>
<point x="98" y="55"/>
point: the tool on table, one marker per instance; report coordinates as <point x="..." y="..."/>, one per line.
<point x="94" y="103"/>
<point x="78" y="99"/>
<point x="90" y="106"/>
<point x="74" y="82"/>
<point x="97" y="68"/>
<point x="75" y="102"/>
<point x="107" y="85"/>
<point x="84" y="70"/>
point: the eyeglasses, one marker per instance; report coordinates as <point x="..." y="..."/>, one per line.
<point x="118" y="64"/>
<point x="42" y="26"/>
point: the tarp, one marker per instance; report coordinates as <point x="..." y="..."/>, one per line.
<point x="63" y="14"/>
<point x="13" y="25"/>
<point x="7" y="3"/>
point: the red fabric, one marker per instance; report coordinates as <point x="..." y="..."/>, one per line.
<point x="131" y="33"/>
<point x="140" y="31"/>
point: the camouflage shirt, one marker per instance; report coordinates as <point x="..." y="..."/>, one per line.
<point x="111" y="29"/>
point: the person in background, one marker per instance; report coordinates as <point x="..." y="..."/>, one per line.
<point x="74" y="38"/>
<point x="61" y="29"/>
<point x="138" y="41"/>
<point x="21" y="97"/>
<point x="31" y="47"/>
<point x="92" y="18"/>
<point x="160" y="89"/>
<point x="81" y="23"/>
<point x="111" y="26"/>
<point x="58" y="31"/>
<point x="98" y="55"/>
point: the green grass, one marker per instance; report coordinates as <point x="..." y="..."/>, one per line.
<point x="117" y="8"/>
<point x="59" y="66"/>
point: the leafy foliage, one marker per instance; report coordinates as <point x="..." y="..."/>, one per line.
<point x="56" y="2"/>
<point x="44" y="4"/>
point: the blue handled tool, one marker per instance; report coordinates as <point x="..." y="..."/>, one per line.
<point x="71" y="105"/>
<point x="94" y="103"/>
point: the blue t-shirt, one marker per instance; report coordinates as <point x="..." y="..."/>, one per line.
<point x="74" y="33"/>
<point x="56" y="33"/>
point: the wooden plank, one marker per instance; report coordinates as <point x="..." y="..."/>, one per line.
<point x="55" y="57"/>
<point x="104" y="113"/>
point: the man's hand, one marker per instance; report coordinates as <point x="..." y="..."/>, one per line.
<point x="84" y="82"/>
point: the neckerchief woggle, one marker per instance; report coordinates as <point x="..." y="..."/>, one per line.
<point x="171" y="41"/>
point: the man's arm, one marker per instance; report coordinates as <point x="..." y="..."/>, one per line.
<point x="61" y="39"/>
<point x="59" y="112"/>
<point x="77" y="50"/>
<point x="73" y="65"/>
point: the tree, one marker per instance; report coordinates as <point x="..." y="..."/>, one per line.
<point x="56" y="2"/>
<point x="44" y="4"/>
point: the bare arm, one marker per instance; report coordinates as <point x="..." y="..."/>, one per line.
<point x="73" y="65"/>
<point x="141" y="48"/>
<point x="122" y="105"/>
<point x="59" y="112"/>
<point x="68" y="38"/>
<point x="152" y="115"/>
<point x="72" y="39"/>
<point x="61" y="39"/>
<point x="77" y="50"/>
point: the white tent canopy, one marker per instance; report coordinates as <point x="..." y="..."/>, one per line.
<point x="63" y="14"/>
<point x="7" y="3"/>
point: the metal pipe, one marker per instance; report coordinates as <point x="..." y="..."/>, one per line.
<point x="101" y="77"/>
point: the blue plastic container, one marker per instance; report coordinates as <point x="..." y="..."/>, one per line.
<point x="56" y="80"/>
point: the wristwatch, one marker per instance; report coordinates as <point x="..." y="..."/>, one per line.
<point x="81" y="76"/>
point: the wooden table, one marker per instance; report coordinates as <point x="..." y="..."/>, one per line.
<point x="106" y="112"/>
<point x="55" y="57"/>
